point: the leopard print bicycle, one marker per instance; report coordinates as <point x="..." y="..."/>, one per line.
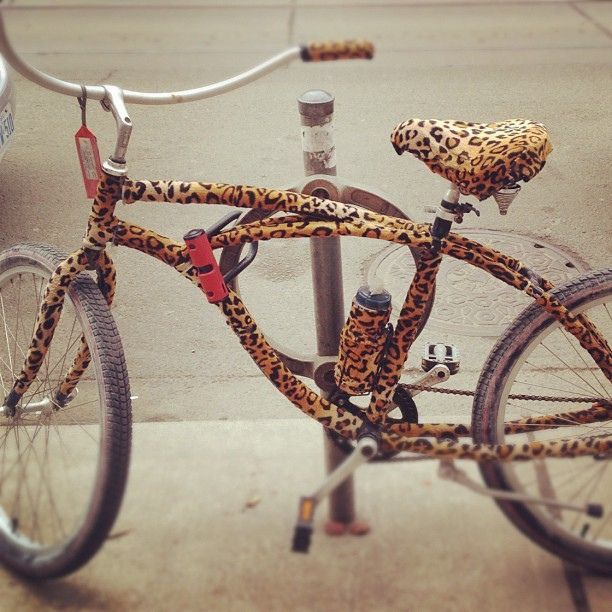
<point x="542" y="408"/>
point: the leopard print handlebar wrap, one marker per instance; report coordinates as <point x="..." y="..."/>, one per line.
<point x="337" y="50"/>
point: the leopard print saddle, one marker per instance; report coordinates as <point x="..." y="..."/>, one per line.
<point x="480" y="158"/>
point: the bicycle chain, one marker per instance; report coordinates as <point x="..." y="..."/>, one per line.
<point x="534" y="398"/>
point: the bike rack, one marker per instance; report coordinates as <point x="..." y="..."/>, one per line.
<point x="316" y="108"/>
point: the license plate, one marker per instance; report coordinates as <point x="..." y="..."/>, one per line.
<point x="7" y="127"/>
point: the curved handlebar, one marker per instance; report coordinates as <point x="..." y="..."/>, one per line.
<point x="309" y="53"/>
<point x="97" y="92"/>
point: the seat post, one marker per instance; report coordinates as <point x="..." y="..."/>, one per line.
<point x="452" y="195"/>
<point x="445" y="215"/>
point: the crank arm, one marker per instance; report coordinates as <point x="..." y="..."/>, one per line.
<point x="448" y="471"/>
<point x="365" y="449"/>
<point x="438" y="374"/>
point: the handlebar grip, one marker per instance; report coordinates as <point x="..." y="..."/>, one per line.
<point x="337" y="50"/>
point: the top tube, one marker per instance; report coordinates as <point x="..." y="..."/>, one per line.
<point x="97" y="92"/>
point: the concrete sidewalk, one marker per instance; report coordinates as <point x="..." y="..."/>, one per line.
<point x="185" y="537"/>
<point x="208" y="520"/>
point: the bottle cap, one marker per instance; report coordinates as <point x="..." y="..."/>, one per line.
<point x="373" y="301"/>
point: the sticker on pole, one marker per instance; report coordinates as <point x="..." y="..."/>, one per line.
<point x="89" y="159"/>
<point x="318" y="138"/>
<point x="318" y="144"/>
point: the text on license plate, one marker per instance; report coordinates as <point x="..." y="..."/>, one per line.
<point x="7" y="127"/>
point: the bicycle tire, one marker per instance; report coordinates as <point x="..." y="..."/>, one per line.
<point x="43" y="532"/>
<point x="533" y="336"/>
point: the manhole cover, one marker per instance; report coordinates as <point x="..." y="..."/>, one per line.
<point x="468" y="300"/>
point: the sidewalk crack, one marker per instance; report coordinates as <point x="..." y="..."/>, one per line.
<point x="592" y="20"/>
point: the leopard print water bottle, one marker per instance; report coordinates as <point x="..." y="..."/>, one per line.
<point x="362" y="342"/>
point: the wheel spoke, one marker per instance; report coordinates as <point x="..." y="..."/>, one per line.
<point x="589" y="486"/>
<point x="18" y="309"/>
<point x="6" y="335"/>
<point x="570" y="368"/>
<point x="581" y="356"/>
<point x="75" y="422"/>
<point x="581" y="392"/>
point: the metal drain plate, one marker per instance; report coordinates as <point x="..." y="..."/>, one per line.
<point x="469" y="301"/>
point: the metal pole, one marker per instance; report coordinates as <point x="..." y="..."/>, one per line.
<point x="316" y="112"/>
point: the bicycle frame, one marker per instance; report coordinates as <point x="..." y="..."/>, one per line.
<point x="308" y="216"/>
<point x="302" y="216"/>
<point x="70" y="404"/>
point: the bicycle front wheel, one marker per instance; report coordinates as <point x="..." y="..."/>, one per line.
<point x="62" y="469"/>
<point x="536" y="357"/>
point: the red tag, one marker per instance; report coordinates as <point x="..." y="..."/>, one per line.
<point x="89" y="158"/>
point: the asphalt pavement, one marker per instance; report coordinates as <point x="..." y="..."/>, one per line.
<point x="220" y="458"/>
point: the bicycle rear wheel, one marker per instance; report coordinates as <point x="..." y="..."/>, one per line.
<point x="536" y="356"/>
<point x="63" y="470"/>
